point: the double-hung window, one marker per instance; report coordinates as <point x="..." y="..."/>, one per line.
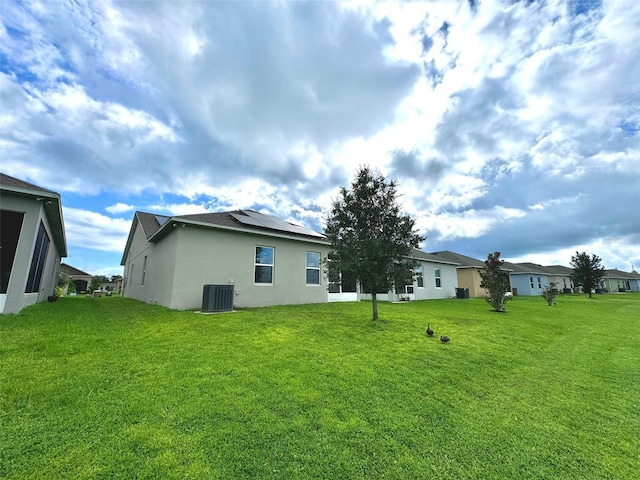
<point x="438" y="278"/>
<point x="263" y="268"/>
<point x="313" y="268"/>
<point x="419" y="277"/>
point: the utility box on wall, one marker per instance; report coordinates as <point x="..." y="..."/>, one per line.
<point x="217" y="298"/>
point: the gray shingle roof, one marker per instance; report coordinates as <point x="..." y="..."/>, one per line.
<point x="615" y="273"/>
<point x="558" y="270"/>
<point x="15" y="184"/>
<point x="69" y="270"/>
<point x="431" y="257"/>
<point x="526" y="267"/>
<point x="462" y="260"/>
<point x="51" y="203"/>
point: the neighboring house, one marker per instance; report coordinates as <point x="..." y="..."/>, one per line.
<point x="618" y="281"/>
<point x="467" y="271"/>
<point x="433" y="277"/>
<point x="561" y="277"/>
<point x="527" y="279"/>
<point x="31" y="245"/>
<point x="80" y="279"/>
<point x="267" y="261"/>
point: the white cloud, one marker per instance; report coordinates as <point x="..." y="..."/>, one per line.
<point x="92" y="230"/>
<point x="506" y="123"/>
<point x="119" y="208"/>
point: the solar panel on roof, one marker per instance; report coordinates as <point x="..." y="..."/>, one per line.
<point x="161" y="219"/>
<point x="273" y="223"/>
<point x="247" y="220"/>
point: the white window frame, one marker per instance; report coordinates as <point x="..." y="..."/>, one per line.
<point x="438" y="277"/>
<point x="308" y="268"/>
<point x="256" y="264"/>
<point x="419" y="276"/>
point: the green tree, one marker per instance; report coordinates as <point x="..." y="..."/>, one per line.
<point x="587" y="271"/>
<point x="550" y="293"/>
<point x="97" y="281"/>
<point x="495" y="281"/>
<point x="371" y="240"/>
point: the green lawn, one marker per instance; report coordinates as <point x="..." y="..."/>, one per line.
<point x="112" y="388"/>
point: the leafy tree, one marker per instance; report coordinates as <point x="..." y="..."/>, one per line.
<point x="63" y="279"/>
<point x="587" y="271"/>
<point x="97" y="281"/>
<point x="549" y="293"/>
<point x="115" y="278"/>
<point x="370" y="239"/>
<point x="496" y="282"/>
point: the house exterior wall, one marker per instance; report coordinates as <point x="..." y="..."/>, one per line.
<point x="158" y="275"/>
<point x="614" y="284"/>
<point x="470" y="278"/>
<point x="429" y="290"/>
<point x="448" y="281"/>
<point x="522" y="282"/>
<point x="16" y="299"/>
<point x="187" y="258"/>
<point x="561" y="281"/>
<point x="219" y="257"/>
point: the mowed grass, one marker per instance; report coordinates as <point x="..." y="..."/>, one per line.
<point x="113" y="388"/>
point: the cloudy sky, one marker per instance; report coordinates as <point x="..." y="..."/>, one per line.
<point x="509" y="125"/>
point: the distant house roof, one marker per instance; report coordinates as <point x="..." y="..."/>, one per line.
<point x="615" y="273"/>
<point x="155" y="227"/>
<point x="558" y="270"/>
<point x="462" y="260"/>
<point x="50" y="200"/>
<point x="420" y="255"/>
<point x="526" y="267"/>
<point x="69" y="270"/>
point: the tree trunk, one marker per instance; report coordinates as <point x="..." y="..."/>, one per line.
<point x="374" y="304"/>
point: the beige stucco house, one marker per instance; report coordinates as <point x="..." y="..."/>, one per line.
<point x="264" y="260"/>
<point x="32" y="243"/>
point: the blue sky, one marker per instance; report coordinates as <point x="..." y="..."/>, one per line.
<point x="510" y="126"/>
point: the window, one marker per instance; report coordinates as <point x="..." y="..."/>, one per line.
<point x="38" y="260"/>
<point x="10" y="226"/>
<point x="313" y="268"/>
<point x="144" y="270"/>
<point x="539" y="283"/>
<point x="419" y="277"/>
<point x="438" y="279"/>
<point x="531" y="282"/>
<point x="263" y="272"/>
